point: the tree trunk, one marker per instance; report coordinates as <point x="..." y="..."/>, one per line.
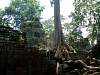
<point x="57" y="23"/>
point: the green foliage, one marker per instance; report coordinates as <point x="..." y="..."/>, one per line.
<point x="48" y="25"/>
<point x="86" y="14"/>
<point x="22" y="10"/>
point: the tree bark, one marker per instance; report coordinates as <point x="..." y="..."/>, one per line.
<point x="57" y="23"/>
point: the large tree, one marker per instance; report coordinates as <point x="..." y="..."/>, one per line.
<point x="57" y="24"/>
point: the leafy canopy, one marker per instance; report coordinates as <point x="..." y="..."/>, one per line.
<point x="22" y="10"/>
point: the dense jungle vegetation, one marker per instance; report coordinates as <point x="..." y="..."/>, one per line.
<point x="44" y="39"/>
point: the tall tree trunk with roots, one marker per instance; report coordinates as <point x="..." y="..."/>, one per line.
<point x="58" y="30"/>
<point x="57" y="23"/>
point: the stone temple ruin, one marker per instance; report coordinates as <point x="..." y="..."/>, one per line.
<point x="18" y="59"/>
<point x="12" y="50"/>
